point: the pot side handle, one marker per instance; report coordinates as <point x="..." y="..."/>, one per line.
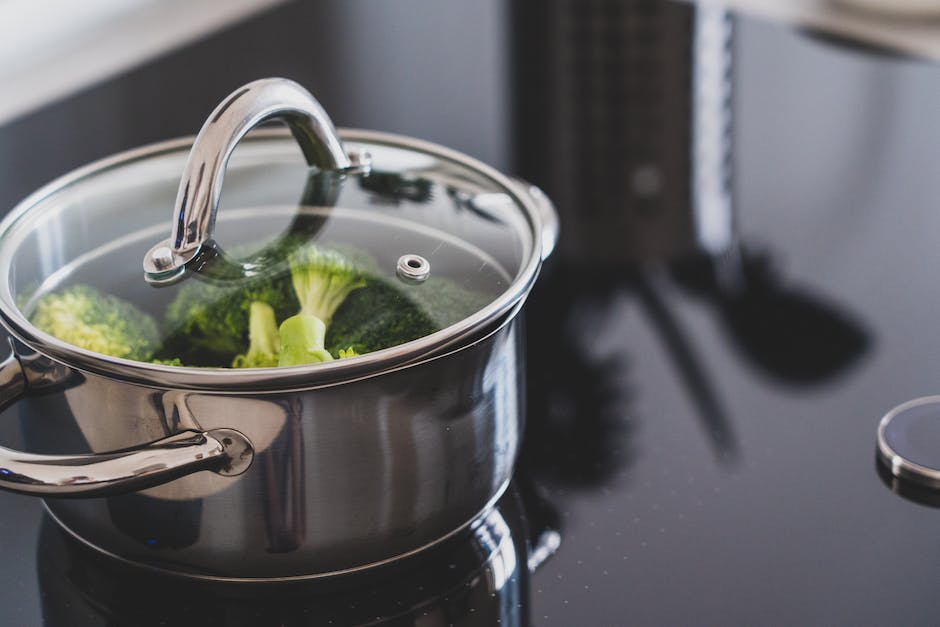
<point x="224" y="451"/>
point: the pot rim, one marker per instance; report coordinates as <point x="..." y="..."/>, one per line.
<point x="446" y="340"/>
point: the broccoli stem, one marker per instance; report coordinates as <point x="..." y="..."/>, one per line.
<point x="322" y="280"/>
<point x="263" y="341"/>
<point x="302" y="340"/>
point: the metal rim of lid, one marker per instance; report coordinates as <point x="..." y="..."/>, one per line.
<point x="253" y="380"/>
<point x="897" y="464"/>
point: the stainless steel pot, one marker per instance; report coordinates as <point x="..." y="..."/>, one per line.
<point x="271" y="473"/>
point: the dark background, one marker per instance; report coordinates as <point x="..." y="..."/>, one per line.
<point x="710" y="455"/>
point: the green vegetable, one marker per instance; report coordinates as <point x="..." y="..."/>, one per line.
<point x="376" y="317"/>
<point x="209" y="324"/>
<point x="302" y="340"/>
<point x="444" y="301"/>
<point x="322" y="280"/>
<point x="99" y="322"/>
<point x="264" y="344"/>
<point x="387" y="313"/>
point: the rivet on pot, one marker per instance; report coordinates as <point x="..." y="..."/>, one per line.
<point x="360" y="160"/>
<point x="162" y="257"/>
<point x="413" y="268"/>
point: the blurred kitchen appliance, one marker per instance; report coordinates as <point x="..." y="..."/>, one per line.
<point x="623" y="114"/>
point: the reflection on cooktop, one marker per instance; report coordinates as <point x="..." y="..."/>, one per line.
<point x="580" y="395"/>
<point x="481" y="578"/>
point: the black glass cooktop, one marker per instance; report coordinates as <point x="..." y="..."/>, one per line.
<point x="700" y="442"/>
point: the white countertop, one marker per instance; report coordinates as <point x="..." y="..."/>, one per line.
<point x="52" y="48"/>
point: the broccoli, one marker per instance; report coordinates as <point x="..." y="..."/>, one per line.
<point x="209" y="324"/>
<point x="359" y="312"/>
<point x="85" y="317"/>
<point x="376" y="317"/>
<point x="264" y="344"/>
<point x="386" y="314"/>
<point x="322" y="280"/>
<point x="445" y="302"/>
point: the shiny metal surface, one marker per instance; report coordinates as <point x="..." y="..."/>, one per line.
<point x="344" y="477"/>
<point x="714" y="223"/>
<point x="113" y="473"/>
<point x="898" y="462"/>
<point x="356" y="462"/>
<point x="197" y="201"/>
<point x="413" y="268"/>
<point x="548" y="215"/>
<point x="479" y="578"/>
<point x="539" y="216"/>
<point x="225" y="451"/>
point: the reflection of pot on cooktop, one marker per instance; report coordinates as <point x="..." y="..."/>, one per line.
<point x="480" y="578"/>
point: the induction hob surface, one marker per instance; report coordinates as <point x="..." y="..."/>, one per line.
<point x="704" y="450"/>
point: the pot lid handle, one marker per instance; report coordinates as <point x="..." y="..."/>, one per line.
<point x="197" y="200"/>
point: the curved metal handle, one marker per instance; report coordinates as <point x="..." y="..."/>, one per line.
<point x="197" y="200"/>
<point x="225" y="451"/>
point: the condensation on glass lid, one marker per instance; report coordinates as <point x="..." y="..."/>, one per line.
<point x="909" y="441"/>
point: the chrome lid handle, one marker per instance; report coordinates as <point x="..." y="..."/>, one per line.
<point x="197" y="200"/>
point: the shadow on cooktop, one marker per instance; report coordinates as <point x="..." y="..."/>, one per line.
<point x="579" y="391"/>
<point x="579" y="417"/>
<point x="789" y="333"/>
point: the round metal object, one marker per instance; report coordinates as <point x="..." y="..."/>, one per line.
<point x="359" y="160"/>
<point x="539" y="211"/>
<point x="343" y="478"/>
<point x="238" y="451"/>
<point x="316" y="470"/>
<point x="909" y="441"/>
<point x="413" y="268"/>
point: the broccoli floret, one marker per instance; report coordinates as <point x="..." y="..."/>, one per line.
<point x="386" y="314"/>
<point x="376" y="317"/>
<point x="264" y="344"/>
<point x="322" y="280"/>
<point x="445" y="302"/>
<point x="209" y="324"/>
<point x="359" y="311"/>
<point x="88" y="318"/>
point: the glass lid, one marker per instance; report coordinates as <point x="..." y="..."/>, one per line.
<point x="318" y="250"/>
